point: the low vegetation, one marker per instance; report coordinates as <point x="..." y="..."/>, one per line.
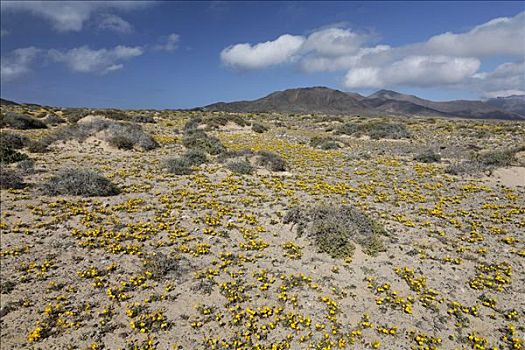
<point x="20" y="121"/>
<point x="335" y="229"/>
<point x="376" y="130"/>
<point x="79" y="182"/>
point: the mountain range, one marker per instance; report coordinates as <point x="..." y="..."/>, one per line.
<point x="383" y="102"/>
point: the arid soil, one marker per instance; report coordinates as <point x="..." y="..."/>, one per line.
<point x="206" y="260"/>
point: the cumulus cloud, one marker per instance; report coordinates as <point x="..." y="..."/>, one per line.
<point x="115" y="23"/>
<point x="499" y="36"/>
<point x="17" y="63"/>
<point x="448" y="59"/>
<point x="68" y="15"/>
<point x="170" y="43"/>
<point x="419" y="71"/>
<point x="507" y="79"/>
<point x="102" y="61"/>
<point x="247" y="56"/>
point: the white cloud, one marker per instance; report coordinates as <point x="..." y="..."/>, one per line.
<point x="246" y="56"/>
<point x="448" y="59"/>
<point x="500" y="36"/>
<point x="414" y="71"/>
<point x="170" y="43"/>
<point x="3" y="32"/>
<point x="334" y="42"/>
<point x="115" y="23"/>
<point x="507" y="79"/>
<point x="102" y="61"/>
<point x="17" y="63"/>
<point x="68" y="15"/>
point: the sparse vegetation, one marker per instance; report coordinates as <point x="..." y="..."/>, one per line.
<point x="428" y="156"/>
<point x="12" y="140"/>
<point x="259" y="128"/>
<point x="271" y="161"/>
<point x="79" y="182"/>
<point x="325" y="143"/>
<point x="9" y="155"/>
<point x="375" y="130"/>
<point x="333" y="229"/>
<point x="20" y="121"/>
<point x="178" y="166"/>
<point x="242" y="167"/>
<point x="10" y="179"/>
<point x="198" y="139"/>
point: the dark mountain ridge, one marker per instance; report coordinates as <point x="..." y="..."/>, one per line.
<point x="383" y="102"/>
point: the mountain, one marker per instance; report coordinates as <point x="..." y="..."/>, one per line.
<point x="7" y="102"/>
<point x="303" y="100"/>
<point x="383" y="102"/>
<point x="514" y="103"/>
<point x="458" y="108"/>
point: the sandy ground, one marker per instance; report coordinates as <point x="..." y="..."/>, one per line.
<point x="204" y="261"/>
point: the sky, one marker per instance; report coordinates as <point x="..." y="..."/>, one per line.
<point x="168" y="55"/>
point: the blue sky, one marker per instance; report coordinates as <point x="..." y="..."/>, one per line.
<point x="187" y="54"/>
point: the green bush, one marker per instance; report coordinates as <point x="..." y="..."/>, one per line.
<point x="324" y="143"/>
<point x="20" y="121"/>
<point x="271" y="161"/>
<point x="9" y="155"/>
<point x="196" y="157"/>
<point x="241" y="167"/>
<point x="428" y="156"/>
<point x="73" y="115"/>
<point x="198" y="139"/>
<point x="80" y="182"/>
<point x="259" y="128"/>
<point x="121" y="142"/>
<point x="178" y="166"/>
<point x="334" y="229"/>
<point x="14" y="141"/>
<point x="10" y="179"/>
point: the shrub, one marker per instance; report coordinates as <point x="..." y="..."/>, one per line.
<point x="134" y="135"/>
<point x="141" y="118"/>
<point x="324" y="143"/>
<point x="9" y="155"/>
<point x="198" y="139"/>
<point x="178" y="166"/>
<point x="196" y="157"/>
<point x="53" y="119"/>
<point x="428" y="156"/>
<point x="73" y="115"/>
<point x="14" y="141"/>
<point x="333" y="229"/>
<point x="20" y="121"/>
<point x="10" y="179"/>
<point x="234" y="154"/>
<point x="192" y="124"/>
<point x="218" y="121"/>
<point x="38" y="147"/>
<point x="80" y="182"/>
<point x="375" y="130"/>
<point x="464" y="167"/>
<point x="497" y="158"/>
<point x="271" y="161"/>
<point x="113" y="114"/>
<point x="121" y="142"/>
<point x="241" y="167"/>
<point x="259" y="128"/>
<point x="160" y="265"/>
<point x="118" y="134"/>
<point x="26" y="166"/>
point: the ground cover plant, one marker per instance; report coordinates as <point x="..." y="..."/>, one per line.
<point x="204" y="242"/>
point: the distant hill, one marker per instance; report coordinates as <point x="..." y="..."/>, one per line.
<point x="330" y="101"/>
<point x="514" y="103"/>
<point x="7" y="102"/>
